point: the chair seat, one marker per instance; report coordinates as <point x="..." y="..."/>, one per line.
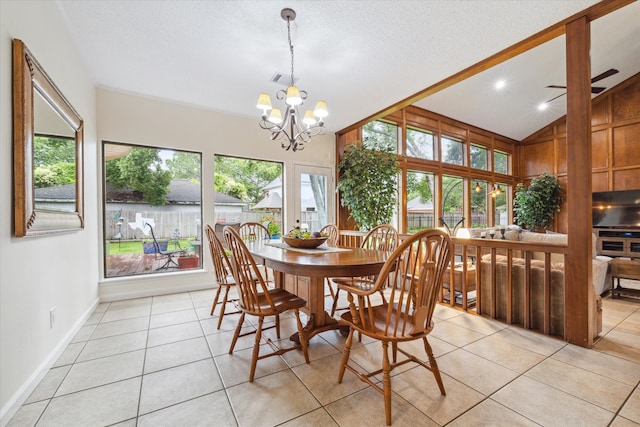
<point x="228" y="280"/>
<point x="283" y="300"/>
<point x="404" y="324"/>
<point x="361" y="283"/>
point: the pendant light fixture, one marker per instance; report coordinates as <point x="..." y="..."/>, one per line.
<point x="292" y="130"/>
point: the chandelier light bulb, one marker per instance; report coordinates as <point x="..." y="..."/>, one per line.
<point x="264" y="102"/>
<point x="293" y="96"/>
<point x="309" y="118"/>
<point x="275" y="117"/>
<point x="321" y="110"/>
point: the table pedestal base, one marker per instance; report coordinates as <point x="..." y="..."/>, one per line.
<point x="313" y="328"/>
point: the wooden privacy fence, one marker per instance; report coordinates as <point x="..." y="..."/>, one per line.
<point x="187" y="224"/>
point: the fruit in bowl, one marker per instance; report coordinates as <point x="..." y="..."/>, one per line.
<point x="297" y="238"/>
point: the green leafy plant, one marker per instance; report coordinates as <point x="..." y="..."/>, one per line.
<point x="535" y="206"/>
<point x="272" y="225"/>
<point x="368" y="184"/>
<point x="274" y="229"/>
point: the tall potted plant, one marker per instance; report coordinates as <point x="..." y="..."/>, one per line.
<point x="368" y="184"/>
<point x="535" y="206"/>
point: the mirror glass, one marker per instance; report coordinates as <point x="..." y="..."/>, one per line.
<point x="54" y="159"/>
<point x="47" y="152"/>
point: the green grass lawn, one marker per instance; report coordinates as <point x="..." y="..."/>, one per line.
<point x="135" y="247"/>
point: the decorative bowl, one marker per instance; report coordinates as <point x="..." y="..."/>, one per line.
<point x="310" y="243"/>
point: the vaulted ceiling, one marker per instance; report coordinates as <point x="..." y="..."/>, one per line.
<point x="358" y="56"/>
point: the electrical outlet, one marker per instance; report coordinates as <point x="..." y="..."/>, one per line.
<point x="52" y="317"/>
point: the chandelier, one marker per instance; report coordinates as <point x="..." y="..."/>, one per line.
<point x="292" y="131"/>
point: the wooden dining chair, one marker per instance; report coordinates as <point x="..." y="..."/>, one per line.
<point x="254" y="231"/>
<point x="222" y="269"/>
<point x="415" y="270"/>
<point x="219" y="226"/>
<point x="382" y="238"/>
<point x="255" y="299"/>
<point x="333" y="235"/>
<point x="333" y="239"/>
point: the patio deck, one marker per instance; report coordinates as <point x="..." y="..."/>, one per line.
<point x="134" y="264"/>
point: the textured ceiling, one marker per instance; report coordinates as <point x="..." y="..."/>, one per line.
<point x="358" y="56"/>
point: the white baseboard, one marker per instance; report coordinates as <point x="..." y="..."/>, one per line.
<point x="142" y="293"/>
<point x="20" y="396"/>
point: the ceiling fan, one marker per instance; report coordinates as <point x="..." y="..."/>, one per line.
<point x="594" y="89"/>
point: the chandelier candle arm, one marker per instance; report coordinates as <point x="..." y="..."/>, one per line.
<point x="292" y="131"/>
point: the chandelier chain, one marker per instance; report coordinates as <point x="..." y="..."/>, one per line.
<point x="290" y="47"/>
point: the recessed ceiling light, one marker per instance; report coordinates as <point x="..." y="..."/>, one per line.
<point x="500" y="84"/>
<point x="543" y="106"/>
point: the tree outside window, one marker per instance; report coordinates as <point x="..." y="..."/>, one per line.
<point x="452" y="150"/>
<point x="478" y="157"/>
<point x="420" y="144"/>
<point x="382" y="136"/>
<point x="500" y="162"/>
<point x="420" y="202"/>
<point x="452" y="200"/>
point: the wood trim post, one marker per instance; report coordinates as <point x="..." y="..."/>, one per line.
<point x="578" y="295"/>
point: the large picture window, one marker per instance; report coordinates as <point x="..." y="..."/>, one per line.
<point x="479" y="198"/>
<point x="420" y="144"/>
<point x="452" y="200"/>
<point x="378" y="135"/>
<point x="500" y="162"/>
<point x="248" y="190"/>
<point x="500" y="206"/>
<point x="478" y="157"/>
<point x="152" y="210"/>
<point x="420" y="201"/>
<point x="452" y="150"/>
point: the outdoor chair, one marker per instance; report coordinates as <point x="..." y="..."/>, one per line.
<point x="222" y="268"/>
<point x="382" y="238"/>
<point x="255" y="299"/>
<point x="168" y="254"/>
<point x="415" y="270"/>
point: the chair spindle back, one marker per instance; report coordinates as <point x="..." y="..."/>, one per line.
<point x="414" y="272"/>
<point x="251" y="285"/>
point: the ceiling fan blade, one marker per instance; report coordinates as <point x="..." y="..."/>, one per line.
<point x="609" y="72"/>
<point x="556" y="87"/>
<point x="597" y="89"/>
<point x="556" y="97"/>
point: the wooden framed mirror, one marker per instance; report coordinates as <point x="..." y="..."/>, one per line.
<point x="47" y="152"/>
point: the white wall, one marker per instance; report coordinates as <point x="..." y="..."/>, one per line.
<point x="38" y="273"/>
<point x="65" y="270"/>
<point x="134" y="119"/>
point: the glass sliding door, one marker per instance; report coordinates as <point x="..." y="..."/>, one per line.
<point x="313" y="197"/>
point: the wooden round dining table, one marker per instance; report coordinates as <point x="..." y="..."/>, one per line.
<point x="303" y="272"/>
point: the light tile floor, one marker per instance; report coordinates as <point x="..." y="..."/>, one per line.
<point x="160" y="361"/>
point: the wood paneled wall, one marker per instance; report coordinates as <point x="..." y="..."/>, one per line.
<point x="615" y="139"/>
<point x="615" y="121"/>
